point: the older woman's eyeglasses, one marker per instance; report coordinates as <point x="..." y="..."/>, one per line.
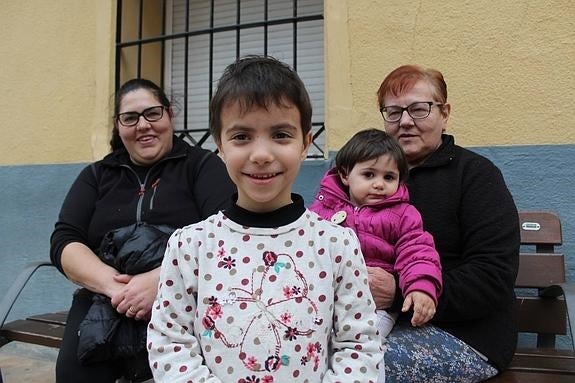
<point x="151" y="114"/>
<point x="417" y="111"/>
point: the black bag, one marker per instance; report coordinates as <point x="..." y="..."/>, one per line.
<point x="135" y="249"/>
<point x="104" y="334"/>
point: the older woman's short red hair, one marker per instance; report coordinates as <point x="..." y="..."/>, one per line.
<point x="402" y="79"/>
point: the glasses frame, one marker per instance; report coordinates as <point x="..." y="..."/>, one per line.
<point x="406" y="109"/>
<point x="141" y="114"/>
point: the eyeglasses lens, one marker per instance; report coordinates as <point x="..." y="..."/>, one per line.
<point x="417" y="110"/>
<point x="152" y="114"/>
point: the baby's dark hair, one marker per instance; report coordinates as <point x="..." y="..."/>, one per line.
<point x="259" y="81"/>
<point x="367" y="145"/>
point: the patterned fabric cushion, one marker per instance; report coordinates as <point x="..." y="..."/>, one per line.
<point x="429" y="354"/>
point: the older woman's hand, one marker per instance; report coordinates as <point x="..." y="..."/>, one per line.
<point x="382" y="286"/>
<point x="136" y="299"/>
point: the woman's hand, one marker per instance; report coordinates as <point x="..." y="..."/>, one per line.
<point x="136" y="298"/>
<point x="423" y="307"/>
<point x="382" y="286"/>
<point x="84" y="268"/>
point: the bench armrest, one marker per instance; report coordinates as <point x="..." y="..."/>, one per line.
<point x="17" y="287"/>
<point x="567" y="290"/>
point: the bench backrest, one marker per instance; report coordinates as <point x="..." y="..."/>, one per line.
<point x="540" y="267"/>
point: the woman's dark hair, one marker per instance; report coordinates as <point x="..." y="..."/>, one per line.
<point x="259" y="81"/>
<point x="127" y="87"/>
<point x="367" y="145"/>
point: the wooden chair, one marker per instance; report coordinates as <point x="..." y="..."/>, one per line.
<point x="546" y="303"/>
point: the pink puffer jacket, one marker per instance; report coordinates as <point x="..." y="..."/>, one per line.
<point x="390" y="233"/>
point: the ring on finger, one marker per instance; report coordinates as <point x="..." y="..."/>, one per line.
<point x="131" y="310"/>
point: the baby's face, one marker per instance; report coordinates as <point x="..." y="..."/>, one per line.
<point x="372" y="181"/>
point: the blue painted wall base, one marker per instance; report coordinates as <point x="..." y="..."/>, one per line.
<point x="539" y="177"/>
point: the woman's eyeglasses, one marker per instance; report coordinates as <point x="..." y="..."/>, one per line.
<point x="151" y="114"/>
<point x="417" y="111"/>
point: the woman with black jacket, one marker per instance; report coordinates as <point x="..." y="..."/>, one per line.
<point x="468" y="209"/>
<point x="151" y="177"/>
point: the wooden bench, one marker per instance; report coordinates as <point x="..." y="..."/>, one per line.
<point x="546" y="304"/>
<point x="44" y="329"/>
<point x="544" y="312"/>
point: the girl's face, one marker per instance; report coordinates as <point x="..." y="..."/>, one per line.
<point x="372" y="181"/>
<point x="418" y="138"/>
<point x="147" y="142"/>
<point x="262" y="150"/>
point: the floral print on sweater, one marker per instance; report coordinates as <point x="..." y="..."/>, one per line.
<point x="241" y="304"/>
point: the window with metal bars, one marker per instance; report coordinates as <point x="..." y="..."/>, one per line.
<point x="184" y="45"/>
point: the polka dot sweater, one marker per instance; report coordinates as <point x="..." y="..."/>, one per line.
<point x="240" y="304"/>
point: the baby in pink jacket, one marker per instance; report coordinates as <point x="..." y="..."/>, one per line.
<point x="366" y="191"/>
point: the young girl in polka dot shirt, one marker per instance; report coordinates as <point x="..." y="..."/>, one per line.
<point x="267" y="291"/>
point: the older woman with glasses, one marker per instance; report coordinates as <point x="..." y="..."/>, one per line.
<point x="112" y="229"/>
<point x="468" y="209"/>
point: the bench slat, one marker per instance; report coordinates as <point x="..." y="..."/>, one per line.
<point x="58" y="318"/>
<point x="556" y="361"/>
<point x="540" y="228"/>
<point x="540" y="270"/>
<point x="34" y="332"/>
<point x="530" y="377"/>
<point x="529" y="316"/>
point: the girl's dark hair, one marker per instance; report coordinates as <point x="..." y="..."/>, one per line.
<point x="259" y="81"/>
<point x="369" y="144"/>
<point x="127" y="87"/>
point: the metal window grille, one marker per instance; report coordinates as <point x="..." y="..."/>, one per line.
<point x="184" y="45"/>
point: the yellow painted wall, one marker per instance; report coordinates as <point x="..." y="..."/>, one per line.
<point x="509" y="65"/>
<point x="56" y="76"/>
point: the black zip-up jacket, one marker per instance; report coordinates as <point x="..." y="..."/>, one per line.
<point x="104" y="334"/>
<point x="186" y="186"/>
<point x="468" y="209"/>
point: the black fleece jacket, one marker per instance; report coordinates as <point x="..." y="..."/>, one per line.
<point x="468" y="209"/>
<point x="186" y="186"/>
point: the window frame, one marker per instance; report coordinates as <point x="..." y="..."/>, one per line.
<point x="140" y="35"/>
